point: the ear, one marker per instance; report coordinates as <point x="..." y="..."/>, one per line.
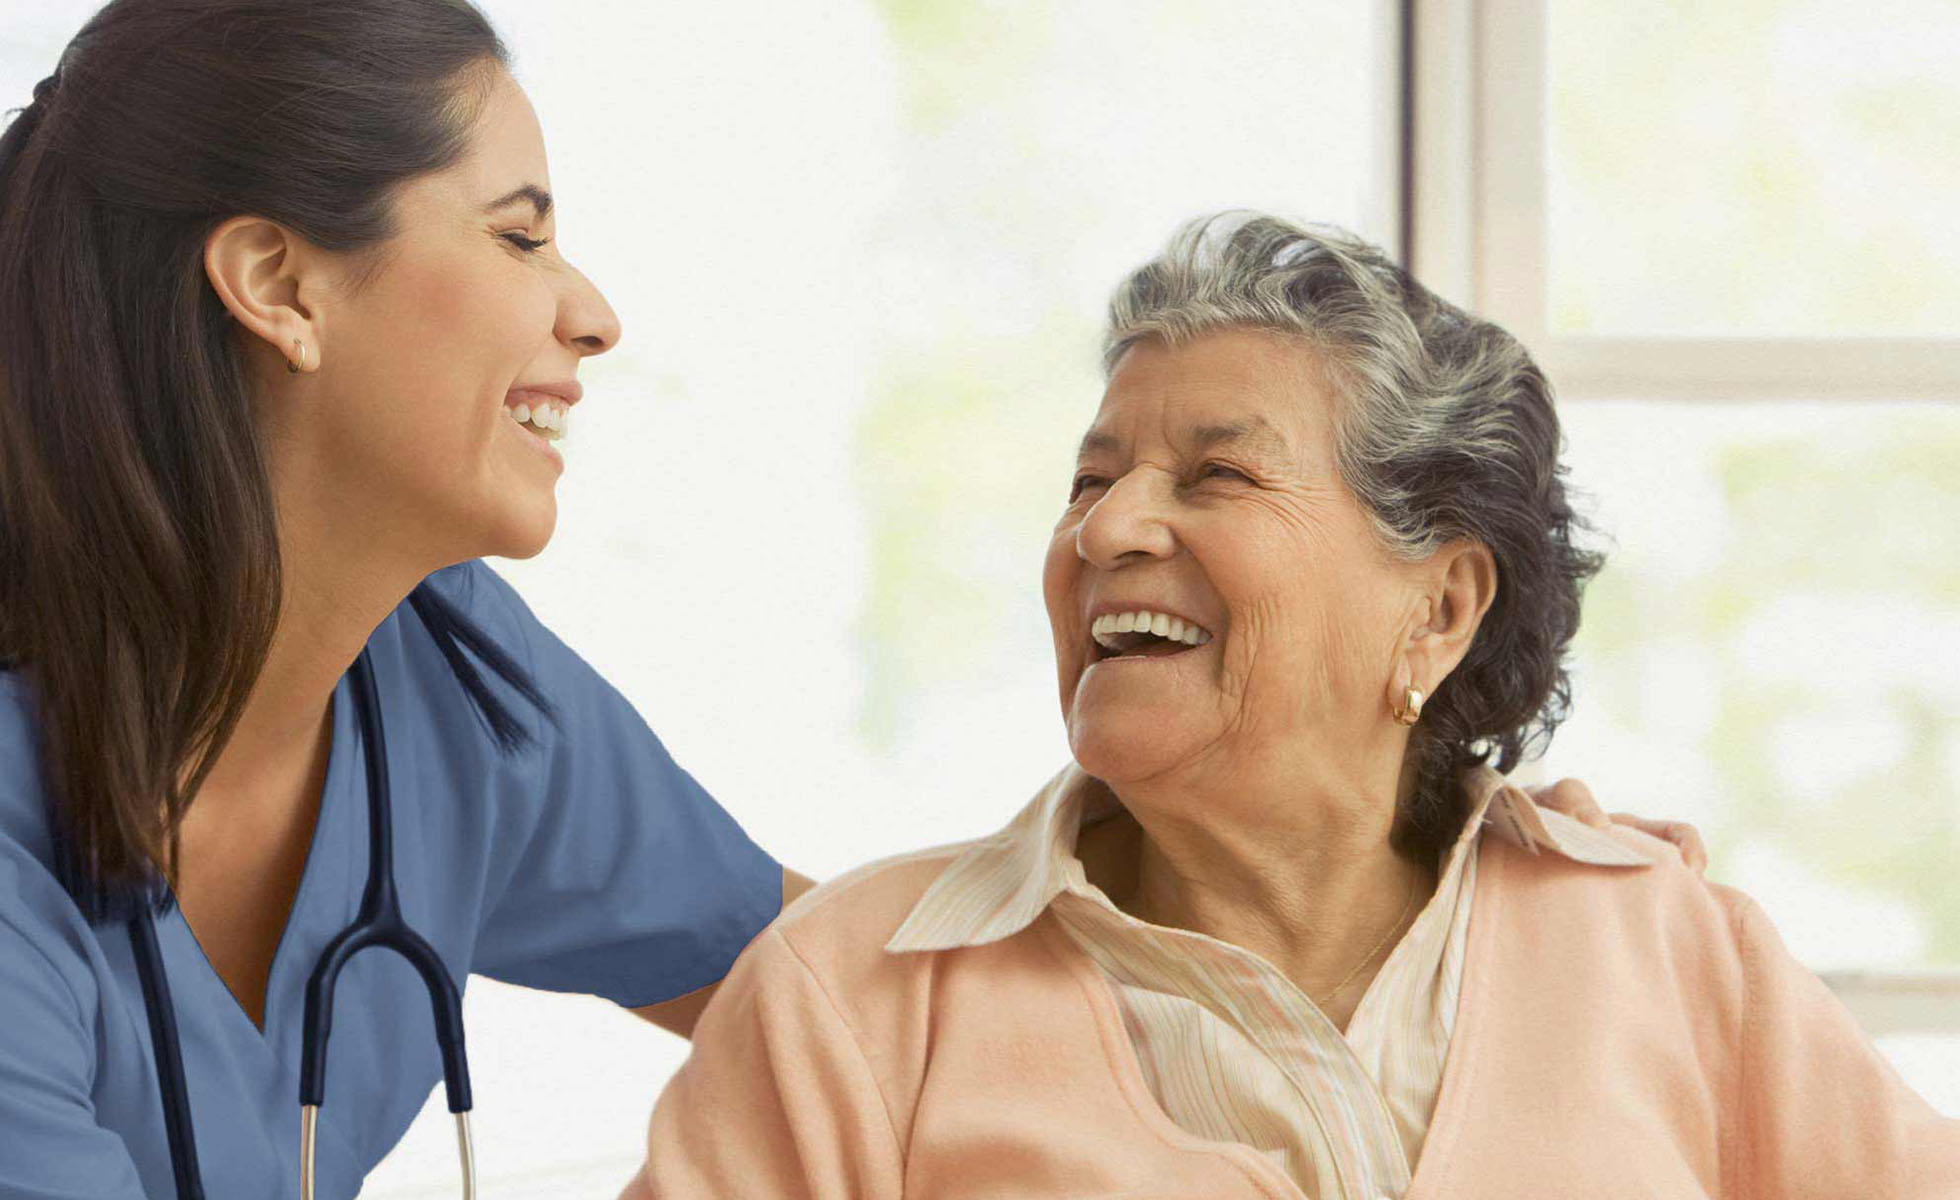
<point x="1463" y="578"/>
<point x="266" y="275"/>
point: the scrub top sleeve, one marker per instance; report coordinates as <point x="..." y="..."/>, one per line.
<point x="631" y="882"/>
<point x="51" y="1145"/>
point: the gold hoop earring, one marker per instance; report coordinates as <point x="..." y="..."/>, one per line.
<point x="1410" y="710"/>
<point x="295" y="368"/>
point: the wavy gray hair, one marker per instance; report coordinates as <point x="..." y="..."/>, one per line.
<point x="1446" y="431"/>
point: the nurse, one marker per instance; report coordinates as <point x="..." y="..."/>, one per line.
<point x="277" y="281"/>
<point x="286" y="341"/>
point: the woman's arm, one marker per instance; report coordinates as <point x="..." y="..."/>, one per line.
<point x="777" y="1098"/>
<point x="1821" y="1113"/>
<point x="680" y="1014"/>
<point x="52" y="1147"/>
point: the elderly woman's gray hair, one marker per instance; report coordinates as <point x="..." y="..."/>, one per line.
<point x="1446" y="429"/>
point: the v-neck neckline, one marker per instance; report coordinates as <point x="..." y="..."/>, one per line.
<point x="1446" y="1117"/>
<point x="329" y="814"/>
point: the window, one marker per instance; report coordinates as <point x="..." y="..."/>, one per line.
<point x="1718" y="227"/>
<point x="1717" y="201"/>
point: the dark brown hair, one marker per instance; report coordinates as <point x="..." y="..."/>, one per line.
<point x="139" y="559"/>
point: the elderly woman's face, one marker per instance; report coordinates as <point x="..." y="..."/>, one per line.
<point x="1207" y="492"/>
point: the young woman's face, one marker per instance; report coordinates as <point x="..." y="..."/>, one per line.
<point x="410" y="417"/>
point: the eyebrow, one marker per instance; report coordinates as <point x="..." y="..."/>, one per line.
<point x="1256" y="431"/>
<point x="539" y="198"/>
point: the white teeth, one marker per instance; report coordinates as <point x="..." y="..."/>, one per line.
<point x="1164" y="625"/>
<point x="550" y="420"/>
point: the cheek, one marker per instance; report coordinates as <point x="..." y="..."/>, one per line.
<point x="471" y="338"/>
<point x="1304" y="612"/>
<point x="1339" y="638"/>
<point x="473" y="307"/>
<point x="1061" y="586"/>
<point x="1061" y="571"/>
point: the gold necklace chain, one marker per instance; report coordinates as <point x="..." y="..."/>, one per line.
<point x="1406" y="906"/>
<point x="1136" y="910"/>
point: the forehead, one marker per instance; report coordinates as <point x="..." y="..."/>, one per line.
<point x="505" y="148"/>
<point x="1247" y="386"/>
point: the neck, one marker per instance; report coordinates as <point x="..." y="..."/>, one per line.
<point x="338" y="582"/>
<point x="1295" y="866"/>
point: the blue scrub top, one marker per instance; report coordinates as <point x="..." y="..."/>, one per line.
<point x="586" y="862"/>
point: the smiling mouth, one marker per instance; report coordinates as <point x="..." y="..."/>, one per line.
<point x="1144" y="635"/>
<point x="546" y="422"/>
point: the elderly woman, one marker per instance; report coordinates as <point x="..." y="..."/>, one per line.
<point x="1283" y="929"/>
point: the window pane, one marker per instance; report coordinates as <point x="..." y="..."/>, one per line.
<point x="1771" y="654"/>
<point x="1786" y="167"/>
<point x="1930" y="1063"/>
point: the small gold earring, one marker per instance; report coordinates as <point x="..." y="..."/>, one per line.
<point x="1410" y="710"/>
<point x="295" y="368"/>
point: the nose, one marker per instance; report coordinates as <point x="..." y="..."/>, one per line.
<point x="1127" y="525"/>
<point x="586" y="322"/>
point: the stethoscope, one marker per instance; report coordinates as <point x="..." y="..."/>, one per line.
<point x="379" y="923"/>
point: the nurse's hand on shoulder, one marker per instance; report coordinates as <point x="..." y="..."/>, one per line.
<point x="679" y="1014"/>
<point x="1575" y="800"/>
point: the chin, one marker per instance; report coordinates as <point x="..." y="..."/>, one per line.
<point x="1117" y="741"/>
<point x="524" y="533"/>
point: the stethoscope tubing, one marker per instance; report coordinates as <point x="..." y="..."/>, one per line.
<point x="169" y="1056"/>
<point x="378" y="923"/>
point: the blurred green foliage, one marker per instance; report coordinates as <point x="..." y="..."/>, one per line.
<point x="1760" y="167"/>
<point x="1828" y="534"/>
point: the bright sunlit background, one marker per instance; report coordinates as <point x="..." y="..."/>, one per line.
<point x="861" y="249"/>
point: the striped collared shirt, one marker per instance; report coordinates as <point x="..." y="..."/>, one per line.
<point x="1231" y="1048"/>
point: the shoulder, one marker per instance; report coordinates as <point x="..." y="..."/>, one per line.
<point x="42" y="932"/>
<point x="1647" y="920"/>
<point x="494" y="606"/>
<point x="861" y="909"/>
<point x="474" y="589"/>
<point x="465" y="624"/>
<point x="823" y="963"/>
<point x="835" y="934"/>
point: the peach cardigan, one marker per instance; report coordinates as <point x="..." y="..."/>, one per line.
<point x="1618" y="1034"/>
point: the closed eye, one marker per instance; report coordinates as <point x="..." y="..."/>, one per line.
<point x="1083" y="483"/>
<point x="524" y="243"/>
<point x="1218" y="470"/>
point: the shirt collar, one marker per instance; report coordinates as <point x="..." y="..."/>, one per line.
<point x="1002" y="882"/>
